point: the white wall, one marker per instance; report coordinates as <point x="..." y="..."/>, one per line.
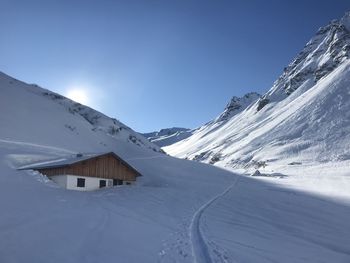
<point x="91" y="183"/>
<point x="70" y="182"/>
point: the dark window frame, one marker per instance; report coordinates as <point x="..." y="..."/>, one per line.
<point x="81" y="182"/>
<point x="118" y="182"/>
<point x="103" y="183"/>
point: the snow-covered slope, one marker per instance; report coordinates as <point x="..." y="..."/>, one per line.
<point x="303" y="118"/>
<point x="178" y="211"/>
<point x="168" y="136"/>
<point x="41" y="116"/>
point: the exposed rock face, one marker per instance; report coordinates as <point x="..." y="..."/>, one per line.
<point x="320" y="56"/>
<point x="304" y="117"/>
<point x="238" y="104"/>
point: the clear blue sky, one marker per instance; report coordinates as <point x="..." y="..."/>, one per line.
<point x="156" y="64"/>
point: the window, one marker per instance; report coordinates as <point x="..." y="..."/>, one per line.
<point x="117" y="182"/>
<point x="80" y="182"/>
<point x="102" y="183"/>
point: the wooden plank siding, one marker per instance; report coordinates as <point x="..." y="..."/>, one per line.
<point x="105" y="166"/>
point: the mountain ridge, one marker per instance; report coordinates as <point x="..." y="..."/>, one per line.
<point x="302" y="118"/>
<point x="168" y="136"/>
<point x="75" y="119"/>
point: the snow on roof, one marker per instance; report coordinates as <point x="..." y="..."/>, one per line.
<point x="67" y="161"/>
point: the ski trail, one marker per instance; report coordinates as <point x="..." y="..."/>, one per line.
<point x="200" y="250"/>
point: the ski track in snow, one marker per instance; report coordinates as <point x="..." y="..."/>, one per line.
<point x="200" y="248"/>
<point x="199" y="244"/>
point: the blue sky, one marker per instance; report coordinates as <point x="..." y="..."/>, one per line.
<point x="156" y="64"/>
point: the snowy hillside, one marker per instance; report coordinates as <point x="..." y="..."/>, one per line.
<point x="304" y="118"/>
<point x="168" y="136"/>
<point x="41" y="116"/>
<point x="178" y="211"/>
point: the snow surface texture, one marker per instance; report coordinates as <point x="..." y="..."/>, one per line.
<point x="179" y="211"/>
<point x="168" y="136"/>
<point x="304" y="118"/>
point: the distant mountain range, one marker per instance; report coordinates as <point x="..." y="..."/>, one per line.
<point x="168" y="136"/>
<point x="303" y="118"/>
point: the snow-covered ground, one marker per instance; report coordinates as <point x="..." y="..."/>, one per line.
<point x="179" y="211"/>
<point x="142" y="223"/>
<point x="280" y="220"/>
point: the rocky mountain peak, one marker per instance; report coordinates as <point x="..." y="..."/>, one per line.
<point x="303" y="117"/>
<point x="238" y="104"/>
<point x="321" y="55"/>
<point x="345" y="20"/>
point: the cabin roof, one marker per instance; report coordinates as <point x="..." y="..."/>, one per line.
<point x="72" y="159"/>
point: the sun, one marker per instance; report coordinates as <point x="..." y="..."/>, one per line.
<point x="78" y="95"/>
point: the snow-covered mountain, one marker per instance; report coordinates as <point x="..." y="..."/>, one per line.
<point x="38" y="115"/>
<point x="168" y="136"/>
<point x="235" y="106"/>
<point x="178" y="211"/>
<point x="303" y="118"/>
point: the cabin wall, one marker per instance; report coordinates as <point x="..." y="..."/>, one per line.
<point x="70" y="182"/>
<point x="106" y="166"/>
<point x="91" y="183"/>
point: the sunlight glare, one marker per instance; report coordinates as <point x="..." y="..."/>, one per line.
<point x="78" y="95"/>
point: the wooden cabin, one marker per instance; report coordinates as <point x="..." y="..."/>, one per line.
<point x="88" y="172"/>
